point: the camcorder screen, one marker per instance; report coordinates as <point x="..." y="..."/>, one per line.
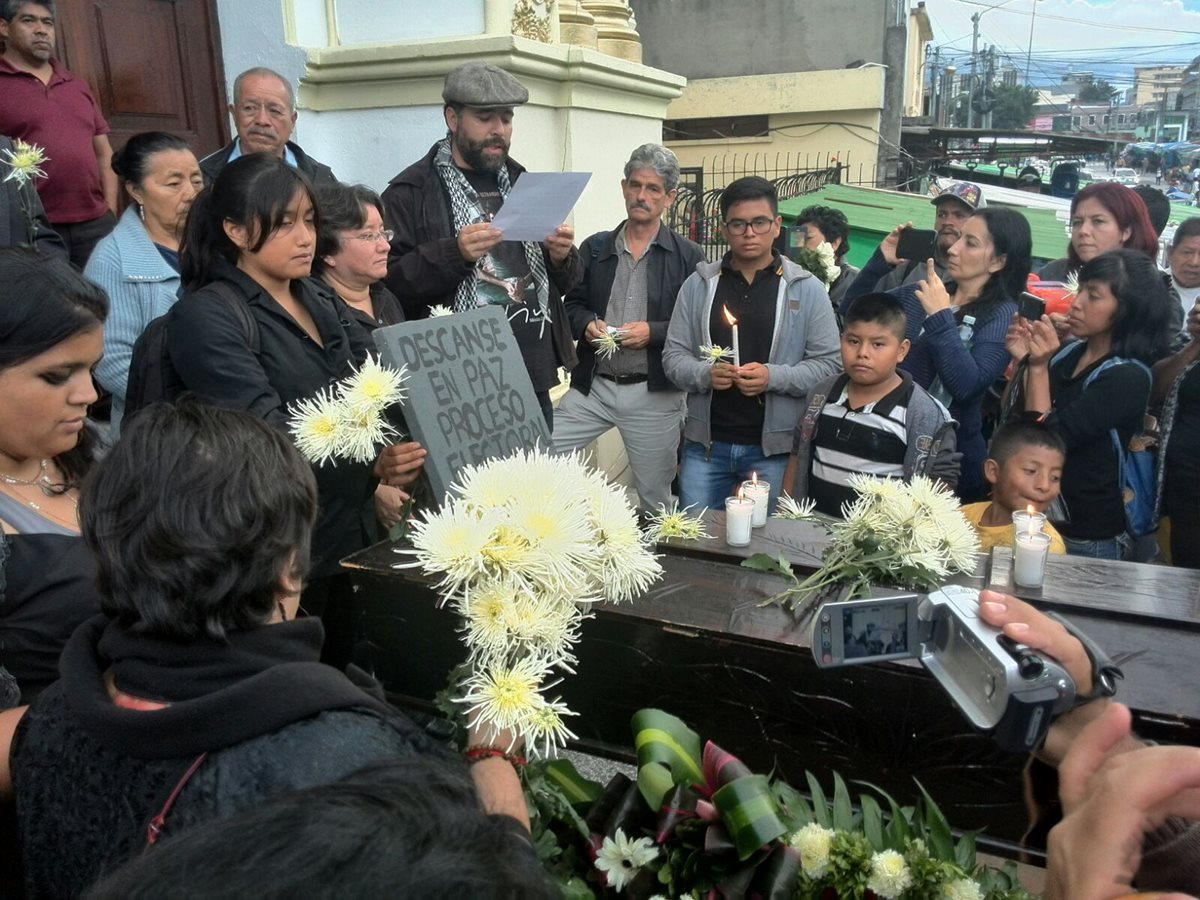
<point x="875" y="631"/>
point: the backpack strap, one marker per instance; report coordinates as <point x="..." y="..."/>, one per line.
<point x="241" y="311"/>
<point x="158" y="823"/>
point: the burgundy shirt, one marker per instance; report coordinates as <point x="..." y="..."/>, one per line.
<point x="61" y="117"/>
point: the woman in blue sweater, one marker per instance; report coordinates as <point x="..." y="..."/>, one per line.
<point x="957" y="327"/>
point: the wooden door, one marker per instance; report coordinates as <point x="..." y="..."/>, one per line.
<point x="154" y="65"/>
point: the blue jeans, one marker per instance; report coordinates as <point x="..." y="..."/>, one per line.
<point x="1107" y="548"/>
<point x="706" y="479"/>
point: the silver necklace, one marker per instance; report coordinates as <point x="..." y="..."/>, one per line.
<point x="42" y="481"/>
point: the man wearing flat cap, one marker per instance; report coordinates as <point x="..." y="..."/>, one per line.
<point x="445" y="250"/>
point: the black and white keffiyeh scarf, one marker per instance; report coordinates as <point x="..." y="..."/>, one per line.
<point x="467" y="209"/>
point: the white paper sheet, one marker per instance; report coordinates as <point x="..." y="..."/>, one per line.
<point x="538" y="203"/>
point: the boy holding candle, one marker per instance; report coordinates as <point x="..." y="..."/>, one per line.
<point x="872" y="419"/>
<point x="1024" y="468"/>
<point x="740" y="413"/>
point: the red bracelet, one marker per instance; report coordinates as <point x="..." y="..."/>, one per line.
<point x="475" y="754"/>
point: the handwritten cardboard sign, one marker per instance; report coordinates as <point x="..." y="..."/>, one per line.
<point x="469" y="395"/>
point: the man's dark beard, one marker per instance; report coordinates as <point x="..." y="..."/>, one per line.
<point x="472" y="153"/>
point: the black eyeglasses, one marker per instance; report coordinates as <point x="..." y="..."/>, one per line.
<point x="761" y="225"/>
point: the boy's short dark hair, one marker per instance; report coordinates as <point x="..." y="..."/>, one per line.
<point x="749" y="188"/>
<point x="1157" y="206"/>
<point x="880" y="308"/>
<point x="1013" y="435"/>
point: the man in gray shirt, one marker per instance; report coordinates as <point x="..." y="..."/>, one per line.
<point x="631" y="277"/>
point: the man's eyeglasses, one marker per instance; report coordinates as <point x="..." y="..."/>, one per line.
<point x="372" y="237"/>
<point x="761" y="225"/>
<point x="250" y="109"/>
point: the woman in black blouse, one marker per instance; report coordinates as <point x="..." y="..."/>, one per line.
<point x="351" y="260"/>
<point x="251" y="238"/>
<point x="1093" y="385"/>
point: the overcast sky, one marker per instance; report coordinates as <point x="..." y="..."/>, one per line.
<point x="1108" y="37"/>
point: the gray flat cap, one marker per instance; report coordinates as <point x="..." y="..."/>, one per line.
<point x="482" y="84"/>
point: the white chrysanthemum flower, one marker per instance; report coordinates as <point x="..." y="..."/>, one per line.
<point x="374" y="387"/>
<point x="714" y="353"/>
<point x="25" y="162"/>
<point x="624" y="567"/>
<point x="452" y="541"/>
<point x="440" y="309"/>
<point x="317" y="426"/>
<point x="789" y="507"/>
<point x="364" y="432"/>
<point x="486" y="613"/>
<point x="828" y="258"/>
<point x="1072" y="282"/>
<point x="546" y="731"/>
<point x="607" y="344"/>
<point x="812" y="843"/>
<point x="504" y="698"/>
<point x="889" y="876"/>
<point x="961" y="542"/>
<point x="674" y="523"/>
<point x="542" y="626"/>
<point x="622" y="859"/>
<point x="961" y="889"/>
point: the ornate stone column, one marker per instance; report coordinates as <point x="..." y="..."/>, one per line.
<point x="615" y="34"/>
<point x="576" y="25"/>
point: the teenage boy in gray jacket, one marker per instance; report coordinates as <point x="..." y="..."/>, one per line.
<point x="741" y="411"/>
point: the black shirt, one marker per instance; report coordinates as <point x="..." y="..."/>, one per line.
<point x="736" y="418"/>
<point x="503" y="279"/>
<point x="1183" y="446"/>
<point x="1091" y="485"/>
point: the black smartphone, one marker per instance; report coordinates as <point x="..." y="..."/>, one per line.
<point x="916" y="243"/>
<point x="1030" y="306"/>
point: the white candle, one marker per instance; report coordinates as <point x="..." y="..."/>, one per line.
<point x="739" y="514"/>
<point x="1028" y="521"/>
<point x="737" y="353"/>
<point x="1029" y="558"/>
<point x="760" y="493"/>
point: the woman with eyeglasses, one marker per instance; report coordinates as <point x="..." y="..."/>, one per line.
<point x="351" y="260"/>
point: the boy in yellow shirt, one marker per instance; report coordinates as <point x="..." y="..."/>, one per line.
<point x="1024" y="468"/>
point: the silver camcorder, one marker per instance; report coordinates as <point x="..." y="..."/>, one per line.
<point x="1000" y="686"/>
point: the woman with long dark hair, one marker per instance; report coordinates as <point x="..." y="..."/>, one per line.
<point x="50" y="340"/>
<point x="957" y="327"/>
<point x="1094" y="384"/>
<point x="250" y="240"/>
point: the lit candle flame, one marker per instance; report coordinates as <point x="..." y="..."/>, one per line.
<point x="741" y="494"/>
<point x="754" y="478"/>
<point x="728" y="318"/>
<point x="1032" y="512"/>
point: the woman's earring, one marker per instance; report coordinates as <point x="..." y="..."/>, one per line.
<point x="142" y="212"/>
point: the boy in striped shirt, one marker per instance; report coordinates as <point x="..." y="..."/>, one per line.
<point x="872" y="418"/>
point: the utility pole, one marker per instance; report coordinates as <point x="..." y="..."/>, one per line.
<point x="974" y="68"/>
<point x="933" y="72"/>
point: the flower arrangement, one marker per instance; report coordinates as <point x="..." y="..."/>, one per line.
<point x="821" y="261"/>
<point x="440" y="309"/>
<point x="523" y="546"/>
<point x="906" y="535"/>
<point x="698" y="823"/>
<point x="347" y="421"/>
<point x="714" y="353"/>
<point x="24" y="163"/>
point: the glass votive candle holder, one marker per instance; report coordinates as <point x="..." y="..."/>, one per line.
<point x="1029" y="558"/>
<point x="1025" y="521"/>
<point x="760" y="493"/>
<point x="739" y="515"/>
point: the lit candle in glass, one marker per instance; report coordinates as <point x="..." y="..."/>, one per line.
<point x="739" y="515"/>
<point x="1029" y="558"/>
<point x="760" y="493"/>
<point x="737" y="353"/>
<point x="1028" y="520"/>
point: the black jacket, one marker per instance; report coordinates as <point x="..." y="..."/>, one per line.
<point x="318" y="173"/>
<point x="14" y="228"/>
<point x="424" y="265"/>
<point x="209" y="352"/>
<point x="672" y="259"/>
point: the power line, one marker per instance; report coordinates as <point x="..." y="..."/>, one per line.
<point x="1019" y="12"/>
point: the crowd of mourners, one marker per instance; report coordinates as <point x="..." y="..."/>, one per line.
<point x="177" y="636"/>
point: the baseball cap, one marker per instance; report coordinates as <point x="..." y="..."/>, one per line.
<point x="963" y="191"/>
